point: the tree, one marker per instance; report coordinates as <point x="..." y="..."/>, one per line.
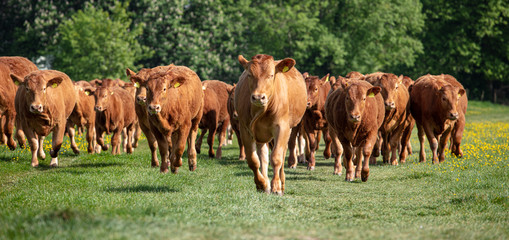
<point x="94" y="44"/>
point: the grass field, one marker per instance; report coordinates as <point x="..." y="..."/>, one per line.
<point x="121" y="197"/>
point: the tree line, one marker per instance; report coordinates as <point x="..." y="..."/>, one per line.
<point x="99" y="38"/>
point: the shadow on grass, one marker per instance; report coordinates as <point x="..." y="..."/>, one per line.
<point x="141" y="189"/>
<point x="96" y="165"/>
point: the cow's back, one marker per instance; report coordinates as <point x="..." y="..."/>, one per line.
<point x="296" y="95"/>
<point x="7" y="89"/>
<point x="19" y="66"/>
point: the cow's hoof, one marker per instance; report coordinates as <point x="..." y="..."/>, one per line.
<point x="54" y="162"/>
<point x="337" y="173"/>
<point x="293" y="166"/>
<point x="311" y="168"/>
<point x="191" y="168"/>
<point x="76" y="151"/>
<point x="349" y="179"/>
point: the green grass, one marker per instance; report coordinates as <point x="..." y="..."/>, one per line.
<point x="106" y="197"/>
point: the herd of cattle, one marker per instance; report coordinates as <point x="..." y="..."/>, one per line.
<point x="272" y="107"/>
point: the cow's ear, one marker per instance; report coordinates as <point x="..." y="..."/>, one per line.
<point x="325" y="79"/>
<point x="285" y="65"/>
<point x="243" y="61"/>
<point x="461" y="92"/>
<point x="332" y="80"/>
<point x="344" y="82"/>
<point x="373" y="91"/>
<point x="305" y="75"/>
<point x="89" y="90"/>
<point x="177" y="82"/>
<point x="54" y="82"/>
<point x="129" y="72"/>
<point x="96" y="82"/>
<point x="17" y="80"/>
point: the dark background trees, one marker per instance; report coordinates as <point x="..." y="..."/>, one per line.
<point x="467" y="39"/>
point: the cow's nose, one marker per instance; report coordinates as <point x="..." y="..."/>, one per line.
<point x="154" y="108"/>
<point x="453" y="116"/>
<point x="308" y="104"/>
<point x="98" y="108"/>
<point x="36" y="108"/>
<point x="390" y="105"/>
<point x="141" y="98"/>
<point x="259" y="99"/>
<point x="355" y="118"/>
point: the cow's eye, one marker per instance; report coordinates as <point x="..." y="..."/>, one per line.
<point x="44" y="88"/>
<point x="316" y="89"/>
<point x="364" y="99"/>
<point x="164" y="89"/>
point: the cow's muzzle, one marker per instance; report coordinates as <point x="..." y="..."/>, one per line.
<point x="154" y="108"/>
<point x="36" y="108"/>
<point x="99" y="108"/>
<point x="141" y="99"/>
<point x="259" y="99"/>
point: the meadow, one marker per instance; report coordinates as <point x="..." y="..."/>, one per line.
<point x="102" y="196"/>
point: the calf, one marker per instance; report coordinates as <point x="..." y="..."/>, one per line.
<point x="114" y="108"/>
<point x="83" y="115"/>
<point x="395" y="96"/>
<point x="175" y="105"/>
<point x="44" y="101"/>
<point x="314" y="117"/>
<point x="437" y="103"/>
<point x="139" y="79"/>
<point x="215" y="114"/>
<point x="20" y="67"/>
<point x="355" y="112"/>
<point x="234" y="121"/>
<point x="270" y="99"/>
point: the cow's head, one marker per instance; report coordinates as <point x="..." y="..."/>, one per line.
<point x="313" y="85"/>
<point x="390" y="85"/>
<point x="38" y="85"/>
<point x="354" y="74"/>
<point x="356" y="95"/>
<point x="161" y="87"/>
<point x="231" y="96"/>
<point x="449" y="99"/>
<point x="261" y="73"/>
<point x="102" y="97"/>
<point x="139" y="79"/>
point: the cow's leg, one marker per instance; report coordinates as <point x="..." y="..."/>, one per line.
<point x="348" y="158"/>
<point x="405" y="143"/>
<point x="253" y="161"/>
<point x="125" y="140"/>
<point x="3" y="136"/>
<point x="210" y="139"/>
<point x="20" y="135"/>
<point x="328" y="140"/>
<point x="318" y="135"/>
<point x="191" y="140"/>
<point x="433" y="143"/>
<point x="130" y="135"/>
<point x="72" y="132"/>
<point x="100" y="139"/>
<point x="9" y="129"/>
<point x="115" y="140"/>
<point x="90" y="138"/>
<point x="312" y="141"/>
<point x="366" y="151"/>
<point x="242" y="151"/>
<point x="358" y="161"/>
<point x="163" y="144"/>
<point x="443" y="144"/>
<point x="222" y="138"/>
<point x="200" y="140"/>
<point x="179" y="139"/>
<point x="40" y="151"/>
<point x="421" y="136"/>
<point x="229" y="130"/>
<point x="56" y="143"/>
<point x="33" y="141"/>
<point x="394" y="142"/>
<point x="262" y="149"/>
<point x="152" y="144"/>
<point x="292" y="159"/>
<point x="386" y="149"/>
<point x="136" y="135"/>
<point x="301" y="158"/>
<point x="277" y="158"/>
<point x="457" y="135"/>
<point x="376" y="149"/>
<point x="337" y="150"/>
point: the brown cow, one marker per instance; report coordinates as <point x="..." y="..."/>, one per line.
<point x="354" y="112"/>
<point x="270" y="99"/>
<point x="234" y="121"/>
<point x="18" y="66"/>
<point x="82" y="116"/>
<point x="354" y="74"/>
<point x="437" y="103"/>
<point x="139" y="79"/>
<point x="107" y="82"/>
<point x="314" y="117"/>
<point x="131" y="88"/>
<point x="44" y="101"/>
<point x="175" y="105"/>
<point x="396" y="100"/>
<point x="114" y="111"/>
<point x="215" y="115"/>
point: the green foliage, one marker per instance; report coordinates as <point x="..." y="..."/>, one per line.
<point x="93" y="44"/>
<point x="100" y="196"/>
